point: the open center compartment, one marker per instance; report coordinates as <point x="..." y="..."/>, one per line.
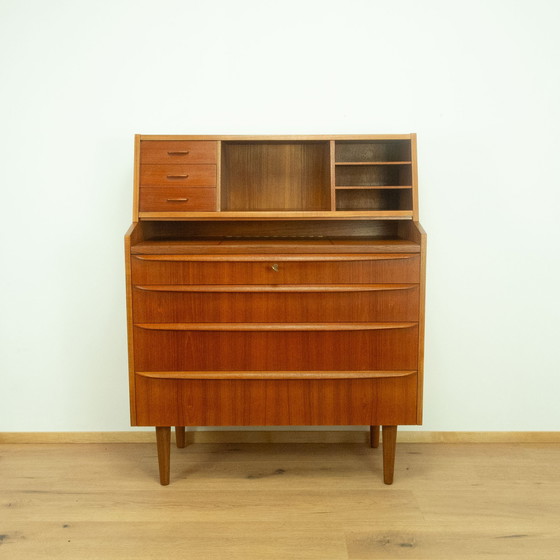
<point x="279" y="176"/>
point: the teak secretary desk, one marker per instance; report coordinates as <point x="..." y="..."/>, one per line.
<point x="275" y="281"/>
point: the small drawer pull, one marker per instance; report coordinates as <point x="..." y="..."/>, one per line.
<point x="177" y="176"/>
<point x="177" y="200"/>
<point x="178" y="153"/>
<point x="275" y="267"/>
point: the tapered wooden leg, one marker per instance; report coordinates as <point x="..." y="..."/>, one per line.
<point x="374" y="436"/>
<point x="180" y="436"/>
<point x="389" y="447"/>
<point x="163" y="436"/>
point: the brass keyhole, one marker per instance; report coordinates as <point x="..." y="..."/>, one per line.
<point x="275" y="267"/>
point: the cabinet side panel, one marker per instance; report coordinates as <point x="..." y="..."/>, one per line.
<point x="136" y="185"/>
<point x="413" y="154"/>
<point x="129" y="321"/>
<point x="422" y="319"/>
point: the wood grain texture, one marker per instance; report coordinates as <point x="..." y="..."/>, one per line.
<point x="219" y="177"/>
<point x="373" y="198"/>
<point x="262" y="402"/>
<point x="163" y="436"/>
<point x="389" y="450"/>
<point x="167" y="175"/>
<point x="282" y="215"/>
<point x="275" y="176"/>
<point x="276" y="137"/>
<point x="280" y="501"/>
<point x="272" y="246"/>
<point x="256" y="303"/>
<point x="353" y="231"/>
<point x="301" y="375"/>
<point x="273" y="327"/>
<point x="297" y="269"/>
<point x="180" y="436"/>
<point x="332" y="174"/>
<point x="373" y="151"/>
<point x="133" y="235"/>
<point x="179" y="152"/>
<point x="320" y="435"/>
<point x="295" y="257"/>
<point x="374" y="175"/>
<point x="136" y="179"/>
<point x="421" y="325"/>
<point x="414" y="158"/>
<point x="259" y="298"/>
<point x="165" y="350"/>
<point x="188" y="199"/>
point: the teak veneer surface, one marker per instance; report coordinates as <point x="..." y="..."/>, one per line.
<point x="275" y="176"/>
<point x="258" y="303"/>
<point x="276" y="246"/>
<point x="276" y="402"/>
<point x="281" y="214"/>
<point x="155" y="175"/>
<point x="180" y="350"/>
<point x="275" y="281"/>
<point x="179" y="152"/>
<point x="165" y="198"/>
<point x="290" y="270"/>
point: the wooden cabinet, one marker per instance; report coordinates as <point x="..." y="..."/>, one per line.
<point x="275" y="281"/>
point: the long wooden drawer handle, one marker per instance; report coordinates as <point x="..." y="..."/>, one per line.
<point x="185" y="153"/>
<point x="274" y="288"/>
<point x="177" y="200"/>
<point x="279" y="258"/>
<point x="267" y="375"/>
<point x="177" y="176"/>
<point x="272" y="327"/>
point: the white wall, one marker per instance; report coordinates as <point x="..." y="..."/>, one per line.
<point x="478" y="81"/>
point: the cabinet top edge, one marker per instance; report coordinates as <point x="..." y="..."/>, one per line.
<point x="319" y="137"/>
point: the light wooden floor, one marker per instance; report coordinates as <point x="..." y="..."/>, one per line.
<point x="280" y="501"/>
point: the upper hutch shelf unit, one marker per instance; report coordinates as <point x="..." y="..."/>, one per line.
<point x="275" y="280"/>
<point x="332" y="177"/>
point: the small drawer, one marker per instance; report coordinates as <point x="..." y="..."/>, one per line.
<point x="177" y="199"/>
<point x="261" y="304"/>
<point x="178" y="151"/>
<point x="174" y="175"/>
<point x="275" y="347"/>
<point x="266" y="269"/>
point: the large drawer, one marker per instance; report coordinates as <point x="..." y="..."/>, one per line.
<point x="177" y="199"/>
<point x="280" y="269"/>
<point x="290" y="303"/>
<point x="178" y="151"/>
<point x="276" y="347"/>
<point x="264" y="402"/>
<point x="154" y="175"/>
